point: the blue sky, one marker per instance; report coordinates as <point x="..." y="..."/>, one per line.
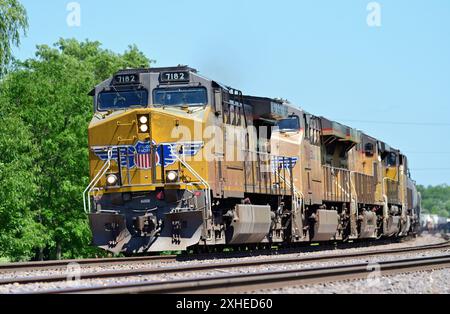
<point x="321" y="55"/>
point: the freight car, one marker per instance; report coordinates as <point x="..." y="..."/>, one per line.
<point x="434" y="223"/>
<point x="179" y="161"/>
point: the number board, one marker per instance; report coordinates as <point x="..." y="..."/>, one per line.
<point x="178" y="76"/>
<point x="278" y="109"/>
<point x="126" y="79"/>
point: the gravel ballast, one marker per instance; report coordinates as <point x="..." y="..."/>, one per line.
<point x="424" y="282"/>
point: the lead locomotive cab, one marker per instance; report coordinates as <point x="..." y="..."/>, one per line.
<point x="143" y="195"/>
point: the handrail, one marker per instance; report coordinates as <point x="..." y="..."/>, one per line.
<point x="277" y="159"/>
<point x="93" y="183"/>
<point x="336" y="168"/>
<point x="288" y="183"/>
<point x="291" y="186"/>
<point x="266" y="154"/>
<point x="336" y="183"/>
<point x="387" y="179"/>
<point x="355" y="191"/>
<point x="297" y="195"/>
<point x="384" y="184"/>
<point x="199" y="177"/>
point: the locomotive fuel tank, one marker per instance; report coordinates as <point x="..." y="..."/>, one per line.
<point x="251" y="224"/>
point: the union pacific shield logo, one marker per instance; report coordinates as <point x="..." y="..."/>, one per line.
<point x="142" y="155"/>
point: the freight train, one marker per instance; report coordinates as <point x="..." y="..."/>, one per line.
<point x="179" y="162"/>
<point x="434" y="223"/>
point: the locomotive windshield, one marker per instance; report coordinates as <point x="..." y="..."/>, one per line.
<point x="289" y="124"/>
<point x="115" y="100"/>
<point x="180" y="97"/>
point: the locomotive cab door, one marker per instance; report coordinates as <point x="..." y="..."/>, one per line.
<point x="218" y="148"/>
<point x="231" y="169"/>
<point x="312" y="174"/>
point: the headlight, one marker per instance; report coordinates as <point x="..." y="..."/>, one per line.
<point x="112" y="179"/>
<point x="172" y="176"/>
<point x="144" y="128"/>
<point x="143" y="119"/>
<point x="143" y="124"/>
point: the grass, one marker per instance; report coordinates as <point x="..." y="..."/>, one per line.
<point x="171" y="253"/>
<point x="4" y="260"/>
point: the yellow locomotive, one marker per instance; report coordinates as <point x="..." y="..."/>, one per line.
<point x="179" y="161"/>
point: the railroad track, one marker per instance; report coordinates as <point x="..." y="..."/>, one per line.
<point x="58" y="264"/>
<point x="233" y="283"/>
<point x="221" y="266"/>
<point x="44" y="265"/>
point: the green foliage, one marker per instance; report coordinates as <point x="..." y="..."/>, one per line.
<point x="19" y="231"/>
<point x="13" y="22"/>
<point x="4" y="260"/>
<point x="46" y="100"/>
<point x="436" y="199"/>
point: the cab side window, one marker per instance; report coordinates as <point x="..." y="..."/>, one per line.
<point x="391" y="160"/>
<point x="369" y="149"/>
<point x="233" y="112"/>
<point x="313" y="133"/>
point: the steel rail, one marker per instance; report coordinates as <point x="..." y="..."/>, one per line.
<point x="44" y="265"/>
<point x="234" y="282"/>
<point x="221" y="265"/>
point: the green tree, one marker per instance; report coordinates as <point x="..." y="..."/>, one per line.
<point x="436" y="199"/>
<point x="13" y="22"/>
<point x="48" y="94"/>
<point x="20" y="233"/>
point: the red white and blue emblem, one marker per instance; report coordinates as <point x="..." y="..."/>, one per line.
<point x="142" y="155"/>
<point x="280" y="163"/>
<point x="139" y="155"/>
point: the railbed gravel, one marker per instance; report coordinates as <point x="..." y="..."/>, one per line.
<point x="43" y="287"/>
<point x="420" y="282"/>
